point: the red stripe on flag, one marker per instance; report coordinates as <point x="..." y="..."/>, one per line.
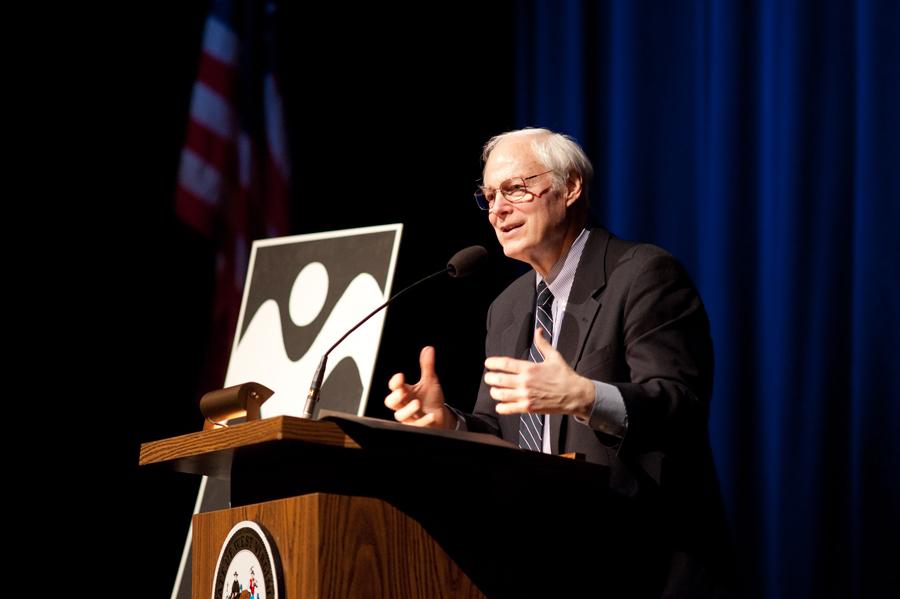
<point x="213" y="148"/>
<point x="217" y="75"/>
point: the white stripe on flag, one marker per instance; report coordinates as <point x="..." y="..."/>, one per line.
<point x="199" y="177"/>
<point x="220" y="42"/>
<point x="212" y="111"/>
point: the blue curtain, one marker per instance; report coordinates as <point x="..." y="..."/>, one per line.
<point x="760" y="143"/>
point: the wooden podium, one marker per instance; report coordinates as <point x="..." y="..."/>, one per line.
<point x="360" y="507"/>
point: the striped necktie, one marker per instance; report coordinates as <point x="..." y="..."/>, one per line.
<point x="531" y="426"/>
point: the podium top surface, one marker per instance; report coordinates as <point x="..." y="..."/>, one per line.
<point x="211" y="452"/>
<point x="247" y="433"/>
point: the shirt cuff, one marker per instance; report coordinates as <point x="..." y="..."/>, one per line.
<point x="460" y="421"/>
<point x="608" y="412"/>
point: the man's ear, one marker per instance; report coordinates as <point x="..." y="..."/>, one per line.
<point x="573" y="188"/>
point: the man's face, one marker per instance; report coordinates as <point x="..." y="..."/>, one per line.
<point x="531" y="231"/>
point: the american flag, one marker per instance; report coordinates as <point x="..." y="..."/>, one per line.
<point x="234" y="175"/>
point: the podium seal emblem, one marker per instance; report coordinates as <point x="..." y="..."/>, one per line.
<point x="247" y="565"/>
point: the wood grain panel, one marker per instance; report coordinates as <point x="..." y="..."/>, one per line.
<point x="338" y="546"/>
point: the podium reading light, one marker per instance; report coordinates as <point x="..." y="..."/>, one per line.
<point x="234" y="402"/>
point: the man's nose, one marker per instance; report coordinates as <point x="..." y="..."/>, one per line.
<point x="501" y="205"/>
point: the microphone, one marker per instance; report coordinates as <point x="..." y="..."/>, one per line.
<point x="462" y="264"/>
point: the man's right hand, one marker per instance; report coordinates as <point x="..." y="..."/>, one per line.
<point x="421" y="404"/>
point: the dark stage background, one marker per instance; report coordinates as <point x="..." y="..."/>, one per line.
<point x="759" y="144"/>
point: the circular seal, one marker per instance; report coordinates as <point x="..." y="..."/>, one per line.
<point x="246" y="568"/>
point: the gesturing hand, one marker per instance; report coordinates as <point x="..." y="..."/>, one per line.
<point x="548" y="387"/>
<point x="421" y="404"/>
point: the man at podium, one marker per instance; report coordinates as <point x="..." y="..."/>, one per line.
<point x="603" y="349"/>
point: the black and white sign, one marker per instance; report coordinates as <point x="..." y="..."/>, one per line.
<point x="302" y="294"/>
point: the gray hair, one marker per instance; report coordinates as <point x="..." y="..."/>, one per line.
<point x="556" y="151"/>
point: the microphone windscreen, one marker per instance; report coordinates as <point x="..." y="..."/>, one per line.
<point x="466" y="261"/>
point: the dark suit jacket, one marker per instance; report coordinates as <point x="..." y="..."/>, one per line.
<point x="634" y="320"/>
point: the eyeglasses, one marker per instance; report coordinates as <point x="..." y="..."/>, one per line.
<point x="515" y="191"/>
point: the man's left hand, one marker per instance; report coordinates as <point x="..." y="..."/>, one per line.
<point x="548" y="387"/>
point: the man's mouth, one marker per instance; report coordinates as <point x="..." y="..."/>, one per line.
<point x="507" y="228"/>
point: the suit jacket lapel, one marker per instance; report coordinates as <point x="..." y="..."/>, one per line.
<point x="515" y="340"/>
<point x="581" y="310"/>
<point x="516" y="337"/>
